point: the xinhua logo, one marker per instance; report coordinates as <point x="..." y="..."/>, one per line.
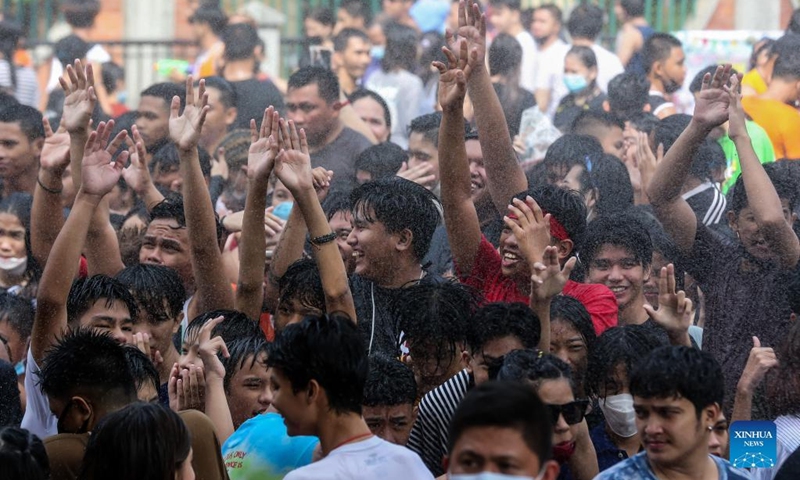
<point x="753" y="444"/>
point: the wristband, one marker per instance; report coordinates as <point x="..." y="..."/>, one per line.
<point x="48" y="190"/>
<point x="322" y="240"/>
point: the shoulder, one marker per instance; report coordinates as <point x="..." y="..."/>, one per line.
<point x="351" y="136"/>
<point x="729" y="472"/>
<point x="633" y="468"/>
<point x="448" y="394"/>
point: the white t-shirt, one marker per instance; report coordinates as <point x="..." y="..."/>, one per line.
<point x="527" y="72"/>
<point x="38" y="418"/>
<point x="608" y="66"/>
<point x="370" y="459"/>
<point x="550" y="74"/>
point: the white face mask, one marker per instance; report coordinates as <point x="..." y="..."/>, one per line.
<point x="14" y="266"/>
<point x="619" y="413"/>
<point x="490" y="476"/>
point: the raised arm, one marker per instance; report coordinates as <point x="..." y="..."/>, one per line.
<point x="216" y="401"/>
<point x="288" y="250"/>
<point x="293" y="167"/>
<point x="505" y="178"/>
<point x="47" y="212"/>
<point x="773" y="221"/>
<point x="675" y="310"/>
<point x="253" y="244"/>
<point x="212" y="289"/>
<point x="100" y="174"/>
<point x="137" y="175"/>
<point x="664" y="191"/>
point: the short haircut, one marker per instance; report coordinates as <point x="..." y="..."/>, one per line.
<point x="554" y="11"/>
<point x="158" y="291"/>
<point x="80" y="13"/>
<point x="211" y="15"/>
<point x="167" y="158"/>
<point x="707" y="155"/>
<point x="237" y="147"/>
<point x="572" y="149"/>
<point x="678" y="371"/>
<point x="401" y="47"/>
<point x="633" y="8"/>
<point x="505" y="55"/>
<point x="787" y="65"/>
<point x="585" y="21"/>
<point x="236" y="325"/>
<point x="390" y="382"/>
<point x="564" y="205"/>
<point x="227" y="94"/>
<point x="245" y="350"/>
<point x="326" y="81"/>
<point x="586" y="56"/>
<point x="171" y="208"/>
<point x="589" y="120"/>
<point x="571" y="310"/>
<point x="166" y="91"/>
<point x="509" y="4"/>
<point x="697" y="82"/>
<point x="329" y="350"/>
<point x="142" y="369"/>
<point x="505" y="405"/>
<point x="428" y="125"/>
<point x="85" y="292"/>
<point x="364" y="93"/>
<point x="382" y="160"/>
<point x="342" y="39"/>
<point x="624" y="231"/>
<point x="70" y="48"/>
<point x="628" y="93"/>
<point x="399" y="204"/>
<point x="323" y="15"/>
<point x="88" y="362"/>
<point x="28" y="118"/>
<point x="658" y="48"/>
<point x="670" y="128"/>
<point x="624" y="345"/>
<point x="357" y="9"/>
<point x="18" y="312"/>
<point x="534" y="367"/>
<point x="498" y="320"/>
<point x="303" y="284"/>
<point x="643" y="122"/>
<point x="785" y="185"/>
<point x="612" y="183"/>
<point x="336" y="202"/>
<point x="240" y="41"/>
<point x="22" y="455"/>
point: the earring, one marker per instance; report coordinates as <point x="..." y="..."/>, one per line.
<point x="710" y="428"/>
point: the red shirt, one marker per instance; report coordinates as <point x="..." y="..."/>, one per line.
<point x="487" y="277"/>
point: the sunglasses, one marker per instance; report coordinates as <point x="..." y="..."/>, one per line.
<point x="573" y="412"/>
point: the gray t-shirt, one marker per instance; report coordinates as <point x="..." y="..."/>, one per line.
<point x="340" y="156"/>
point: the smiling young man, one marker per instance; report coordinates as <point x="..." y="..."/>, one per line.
<point x="677" y="395"/>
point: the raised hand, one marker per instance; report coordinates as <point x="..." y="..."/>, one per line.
<point x="453" y="77"/>
<point x="142" y="341"/>
<point x="99" y="170"/>
<point x="55" y="151"/>
<point x="472" y="30"/>
<point x="736" y="115"/>
<point x="548" y="277"/>
<point x="293" y="164"/>
<point x="80" y="97"/>
<point x="321" y="178"/>
<point x="760" y="361"/>
<point x="713" y="100"/>
<point x="184" y="130"/>
<point x="211" y="347"/>
<point x="421" y="174"/>
<point x="136" y="174"/>
<point x="264" y="146"/>
<point x="531" y="227"/>
<point x="675" y="311"/>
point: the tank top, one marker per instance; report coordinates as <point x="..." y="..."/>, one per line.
<point x="636" y="64"/>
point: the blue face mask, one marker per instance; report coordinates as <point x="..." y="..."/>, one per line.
<point x="283" y="210"/>
<point x="575" y="83"/>
<point x="122" y="97"/>
<point x="377" y="51"/>
<point x="19" y="368"/>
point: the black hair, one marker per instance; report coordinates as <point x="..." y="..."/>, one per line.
<point x="708" y="154"/>
<point x="571" y="149"/>
<point x="624" y="231"/>
<point x="240" y="41"/>
<point x="80" y="13"/>
<point x="431" y="44"/>
<point x="697" y="81"/>
<point x="18" y="312"/>
<point x="571" y="310"/>
<point x="111" y="73"/>
<point x="71" y="48"/>
<point x="22" y="455"/>
<point x="794" y="23"/>
<point x="498" y="320"/>
<point x="554" y="10"/>
<point x="85" y="292"/>
<point x="628" y="93"/>
<point x="334" y="203"/>
<point x="670" y="128"/>
<point x="510" y="4"/>
<point x="89" y="362"/>
<point x="302" y="282"/>
<point x="390" y="382"/>
<point x="141" y="367"/>
<point x="588" y="120"/>
<point x="329" y="350"/>
<point x="28" y="118"/>
<point x="166" y="91"/>
<point x="428" y="125"/>
<point x="243" y="350"/>
<point x="326" y="81"/>
<point x="342" y="39"/>
<point x="211" y="15"/>
<point x="633" y="8"/>
<point x="787" y="65"/>
<point x="624" y="345"/>
<point x="167" y="158"/>
<point x="678" y="371"/>
<point x="785" y="185"/>
<point x="323" y="15"/>
<point x="382" y="160"/>
<point x="505" y="405"/>
<point x="357" y="9"/>
<point x="236" y="325"/>
<point x="564" y="205"/>
<point x="237" y="146"/>
<point x="534" y="367"/>
<point x="158" y="291"/>
<point x="19" y="204"/>
<point x="401" y="48"/>
<point x="364" y="93"/>
<point x="505" y="55"/>
<point x="766" y="45"/>
<point x="227" y="94"/>
<point x="399" y="204"/>
<point x="585" y="21"/>
<point x="658" y="48"/>
<point x="163" y="444"/>
<point x="586" y="56"/>
<point x="612" y="183"/>
<point x="644" y="122"/>
<point x="171" y="208"/>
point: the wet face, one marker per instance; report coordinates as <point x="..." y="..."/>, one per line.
<point x="166" y="243"/>
<point x="567" y="343"/>
<point x="619" y="270"/>
<point x="719" y="439"/>
<point x="372" y="113"/>
<point x="18" y="154"/>
<point x="651" y="286"/>
<point x="12" y="237"/>
<point x="374" y="248"/>
<point x="391" y="423"/>
<point x="746" y="228"/>
<point x="500" y="450"/>
<point x="432" y="363"/>
<point x="612" y="141"/>
<point x="248" y="390"/>
<point x="152" y="120"/>
<point x="190" y="351"/>
<point x="114" y="320"/>
<point x="17" y="345"/>
<point x="341" y="225"/>
<point x="422" y="151"/>
<point x="290" y="311"/>
<point x="356" y="58"/>
<point x="310" y="111"/>
<point x="159" y="327"/>
<point x="281" y="194"/>
<point x="477" y="170"/>
<point x="559" y="392"/>
<point x="490" y="355"/>
<point x="218" y="119"/>
<point x="544" y="25"/>
<point x="513" y="263"/>
<point x="292" y="406"/>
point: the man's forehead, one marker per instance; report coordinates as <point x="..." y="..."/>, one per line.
<point x="306" y="93"/>
<point x="11" y="129"/>
<point x="151" y="103"/>
<point x="166" y="227"/>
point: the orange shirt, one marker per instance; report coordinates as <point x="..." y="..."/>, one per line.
<point x="781" y="122"/>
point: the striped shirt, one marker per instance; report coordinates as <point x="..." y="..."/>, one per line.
<point x="429" y="434"/>
<point x="27" y="91"/>
<point x="707" y="202"/>
<point x="788" y="440"/>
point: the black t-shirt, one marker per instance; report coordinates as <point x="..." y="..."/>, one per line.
<point x="252" y="98"/>
<point x="340" y="156"/>
<point x="708" y="203"/>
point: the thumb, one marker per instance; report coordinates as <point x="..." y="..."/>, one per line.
<point x="756" y="342"/>
<point x="650" y="311"/>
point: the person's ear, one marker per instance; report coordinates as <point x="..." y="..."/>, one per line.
<point x="36" y="146"/>
<point x="405" y="240"/>
<point x="733" y="222"/>
<point x="336" y="60"/>
<point x="565" y="248"/>
<point x="176" y="325"/>
<point x="81" y="409"/>
<point x="606" y="106"/>
<point x="709" y="416"/>
<point x="466" y="360"/>
<point x="230" y="115"/>
<point x="313" y="392"/>
<point x="551" y="470"/>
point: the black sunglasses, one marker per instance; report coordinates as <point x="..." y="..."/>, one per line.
<point x="573" y="412"/>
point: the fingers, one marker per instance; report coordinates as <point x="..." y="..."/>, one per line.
<point x="118" y="141"/>
<point x="569" y="266"/>
<point x="284" y="134"/>
<point x="452" y="61"/>
<point x="73" y="77"/>
<point x="660" y="152"/>
<point x="175" y="107"/>
<point x="189" y="91"/>
<point x="756" y="342"/>
<point x="253" y="132"/>
<point x="525" y="210"/>
<point x="205" y="332"/>
<point x="671" y="278"/>
<point x="48" y="130"/>
<point x="536" y="209"/>
<point x="303" y="141"/>
<point x="462" y="14"/>
<point x="439" y="65"/>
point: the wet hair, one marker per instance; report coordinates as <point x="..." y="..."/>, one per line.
<point x="510" y="4"/>
<point x="329" y="350"/>
<point x="80" y="13"/>
<point x="364" y="93"/>
<point x="624" y="231"/>
<point x="632" y="8"/>
<point x="428" y="125"/>
<point x="22" y="455"/>
<point x="569" y="309"/>
<point x="767" y="45"/>
<point x="302" y="283"/>
<point x="785" y="185"/>
<point x="142" y="369"/>
<point x="167" y="158"/>
<point x="237" y="146"/>
<point x="18" y="312"/>
<point x="401" y="47"/>
<point x="390" y="382"/>
<point x="326" y="81"/>
<point x="572" y="150"/>
<point x="336" y="202"/>
<point x="644" y="122"/>
<point x="585" y="21"/>
<point x="498" y="320"/>
<point x="670" y="128"/>
<point x="678" y="371"/>
<point x="19" y="204"/>
<point x="628" y="93"/>
<point x="399" y="204"/>
<point x="28" y="118"/>
<point x="505" y="55"/>
<point x="534" y="367"/>
<point x="163" y="444"/>
<point x="323" y="15"/>
<point x="71" y="48"/>
<point x="357" y="9"/>
<point x="166" y="91"/>
<point x="612" y="184"/>
<point x="211" y="15"/>
<point x="91" y="363"/>
<point x="244" y="350"/>
<point x="236" y="325"/>
<point x="342" y="39"/>
<point x="227" y="94"/>
<point x="565" y="206"/>
<point x="158" y="291"/>
<point x="505" y="405"/>
<point x="787" y="65"/>
<point x="85" y="292"/>
<point x="382" y="160"/>
<point x="658" y="48"/>
<point x="697" y="82"/>
<point x="240" y="41"/>
<point x="588" y="121"/>
<point x="624" y="345"/>
<point x="171" y="208"/>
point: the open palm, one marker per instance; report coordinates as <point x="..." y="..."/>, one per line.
<point x="293" y="165"/>
<point x="263" y="146"/>
<point x="55" y="151"/>
<point x="99" y="173"/>
<point x="80" y="97"/>
<point x="452" y="77"/>
<point x="713" y="100"/>
<point x="184" y="130"/>
<point x="472" y="30"/>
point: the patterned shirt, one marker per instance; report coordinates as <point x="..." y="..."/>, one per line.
<point x="638" y="468"/>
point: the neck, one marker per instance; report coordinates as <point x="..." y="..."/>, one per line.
<point x="339" y="429"/>
<point x="582" y="42"/>
<point x="82" y="33"/>
<point x="170" y="357"/>
<point x="696" y="464"/>
<point x="781" y="90"/>
<point x="238" y="70"/>
<point x="346" y="82"/>
<point x="401" y="275"/>
<point x="515" y="29"/>
<point x="208" y="41"/>
<point x="631" y="445"/>
<point x="633" y="314"/>
<point x="8" y="280"/>
<point x="547" y="42"/>
<point x="24" y="182"/>
<point x="656" y="84"/>
<point x="330" y="137"/>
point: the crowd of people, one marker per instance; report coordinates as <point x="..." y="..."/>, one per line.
<point x="484" y="254"/>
